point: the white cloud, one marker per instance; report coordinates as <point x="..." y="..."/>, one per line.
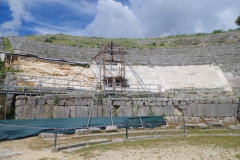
<point x="161" y="17"/>
<point x="226" y="18"/>
<point x="10" y="27"/>
<point x="142" y="18"/>
<point x="114" y="20"/>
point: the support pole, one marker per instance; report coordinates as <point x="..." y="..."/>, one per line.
<point x="127" y="130"/>
<point x="55" y="138"/>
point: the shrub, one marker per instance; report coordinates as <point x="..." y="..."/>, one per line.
<point x="217" y="31"/>
<point x="50" y="40"/>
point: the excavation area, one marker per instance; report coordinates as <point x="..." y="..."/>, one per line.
<point x="165" y="142"/>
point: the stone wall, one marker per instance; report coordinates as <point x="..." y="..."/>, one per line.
<point x="1" y="44"/>
<point x="76" y="105"/>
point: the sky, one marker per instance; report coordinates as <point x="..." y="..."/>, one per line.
<point x="116" y="18"/>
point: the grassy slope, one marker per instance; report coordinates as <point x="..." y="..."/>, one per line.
<point x="165" y="42"/>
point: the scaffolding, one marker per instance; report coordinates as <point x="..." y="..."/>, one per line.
<point x="112" y="66"/>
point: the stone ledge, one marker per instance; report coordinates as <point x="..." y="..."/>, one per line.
<point x="83" y="143"/>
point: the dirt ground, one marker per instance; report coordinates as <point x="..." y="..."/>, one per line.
<point x="179" y="151"/>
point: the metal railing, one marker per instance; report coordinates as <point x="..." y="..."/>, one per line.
<point x="10" y="82"/>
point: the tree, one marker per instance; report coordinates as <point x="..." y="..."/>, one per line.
<point x="237" y="21"/>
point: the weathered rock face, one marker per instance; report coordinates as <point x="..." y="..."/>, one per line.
<point x="1" y="44"/>
<point x="75" y="105"/>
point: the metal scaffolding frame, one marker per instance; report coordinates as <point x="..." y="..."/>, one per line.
<point x="112" y="66"/>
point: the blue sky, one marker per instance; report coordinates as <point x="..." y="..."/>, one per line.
<point x="116" y="18"/>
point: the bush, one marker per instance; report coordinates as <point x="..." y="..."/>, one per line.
<point x="50" y="40"/>
<point x="217" y="31"/>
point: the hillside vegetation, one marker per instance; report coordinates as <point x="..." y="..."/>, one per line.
<point x="150" y="43"/>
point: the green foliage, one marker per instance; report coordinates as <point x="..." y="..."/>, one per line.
<point x="150" y="111"/>
<point x="50" y="40"/>
<point x="56" y="100"/>
<point x="237" y="21"/>
<point x="97" y="42"/>
<point x="7" y="45"/>
<point x="73" y="44"/>
<point x="161" y="44"/>
<point x="237" y="156"/>
<point x="13" y="70"/>
<point x="217" y="31"/>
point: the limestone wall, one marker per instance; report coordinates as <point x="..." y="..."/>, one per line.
<point x="1" y="44"/>
<point x="75" y="105"/>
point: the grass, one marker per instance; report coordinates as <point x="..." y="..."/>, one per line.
<point x="222" y="142"/>
<point x="146" y="43"/>
<point x="7" y="45"/>
<point x="237" y="156"/>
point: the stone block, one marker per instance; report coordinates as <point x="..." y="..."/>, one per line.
<point x="183" y="103"/>
<point x="61" y="102"/>
<point x="153" y="104"/>
<point x="209" y="101"/>
<point x="223" y="100"/>
<point x="83" y="131"/>
<point x="22" y="97"/>
<point x="128" y="103"/>
<point x="146" y="103"/>
<point x="173" y="119"/>
<point x="50" y="102"/>
<point x="216" y="100"/>
<point x="159" y="103"/>
<point x="69" y="102"/>
<point x="78" y="111"/>
<point x="50" y="96"/>
<point x="233" y="127"/>
<point x="188" y="125"/>
<point x="164" y="103"/>
<point x="176" y="102"/>
<point x="215" y="124"/>
<point x="139" y="103"/>
<point x="82" y="95"/>
<point x="20" y="102"/>
<point x="106" y="111"/>
<point x="25" y="112"/>
<point x="183" y="107"/>
<point x="32" y="101"/>
<point x="168" y="110"/>
<point x="195" y="110"/>
<point x="44" y="112"/>
<point x="229" y="119"/>
<point x="227" y="110"/>
<point x="184" y="111"/>
<point x="19" y="112"/>
<point x="169" y="103"/>
<point x="202" y="100"/>
<point x="157" y="111"/>
<point x="235" y="101"/>
<point x="119" y="103"/>
<point x="95" y="130"/>
<point x="141" y="111"/>
<point x="111" y="129"/>
<point x="9" y="97"/>
<point x="202" y="126"/>
<point x="96" y="110"/>
<point x="41" y="101"/>
<point x="61" y="112"/>
<point x="211" y="110"/>
<point x="86" y="102"/>
<point x="237" y="110"/>
<point x="192" y="119"/>
<point x="125" y="111"/>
